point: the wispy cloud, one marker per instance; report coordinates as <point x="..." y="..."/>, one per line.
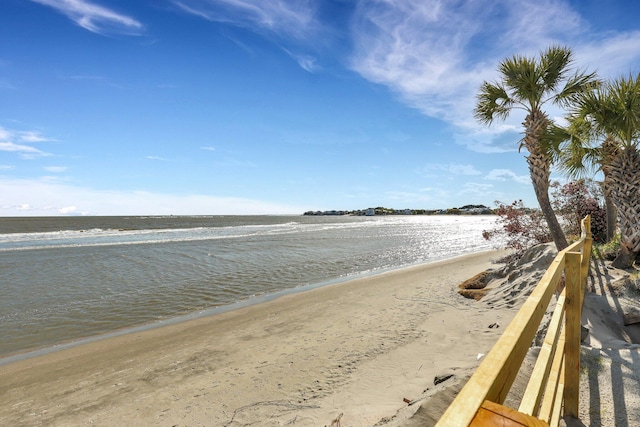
<point x="291" y="22"/>
<point x="507" y="175"/>
<point x="56" y="169"/>
<point x="5" y="134"/>
<point x="306" y="62"/>
<point x="33" y="136"/>
<point x="18" y="142"/>
<point x="417" y="48"/>
<point x="25" y="151"/>
<point x="95" y="18"/>
<point x="93" y="79"/>
<point x="478" y="192"/>
<point x="435" y="54"/>
<point x="41" y="197"/>
<point x="291" y="18"/>
<point x="208" y="148"/>
<point x="612" y="54"/>
<point x="451" y="168"/>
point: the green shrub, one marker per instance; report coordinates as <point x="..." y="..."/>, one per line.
<point x="607" y="251"/>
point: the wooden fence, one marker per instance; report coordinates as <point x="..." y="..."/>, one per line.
<point x="553" y="387"/>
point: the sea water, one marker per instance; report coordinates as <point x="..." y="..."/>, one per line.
<point x="67" y="278"/>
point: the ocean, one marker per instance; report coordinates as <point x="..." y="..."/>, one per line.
<point x="64" y="279"/>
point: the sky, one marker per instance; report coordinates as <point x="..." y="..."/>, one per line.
<point x="223" y="107"/>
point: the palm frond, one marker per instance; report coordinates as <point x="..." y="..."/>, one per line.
<point x="554" y="64"/>
<point x="493" y="101"/>
<point x="570" y="150"/>
<point x="575" y="86"/>
<point x="578" y="161"/>
<point x="613" y="109"/>
<point x="521" y="76"/>
<point x="625" y="98"/>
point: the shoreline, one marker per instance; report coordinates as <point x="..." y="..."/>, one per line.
<point x="356" y="347"/>
<point x="213" y="311"/>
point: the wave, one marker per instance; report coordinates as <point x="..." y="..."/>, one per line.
<point x="113" y="237"/>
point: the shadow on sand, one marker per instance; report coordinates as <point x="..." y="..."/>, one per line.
<point x="610" y="355"/>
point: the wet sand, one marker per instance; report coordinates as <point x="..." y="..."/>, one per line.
<point x="352" y="351"/>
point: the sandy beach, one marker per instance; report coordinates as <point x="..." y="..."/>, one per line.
<point x="354" y="351"/>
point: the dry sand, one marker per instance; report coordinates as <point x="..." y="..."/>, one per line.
<point x="351" y="351"/>
<point x="610" y="359"/>
<point x="363" y="352"/>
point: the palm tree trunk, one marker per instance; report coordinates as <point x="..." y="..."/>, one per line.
<point x="609" y="151"/>
<point x="625" y="191"/>
<point x="612" y="216"/>
<point x="540" y="173"/>
<point x="536" y="124"/>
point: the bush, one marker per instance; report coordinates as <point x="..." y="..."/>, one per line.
<point x="575" y="200"/>
<point x="523" y="228"/>
<point x="607" y="251"/>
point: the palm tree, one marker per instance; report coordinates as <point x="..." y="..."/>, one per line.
<point x="575" y="154"/>
<point x="613" y="114"/>
<point x="528" y="84"/>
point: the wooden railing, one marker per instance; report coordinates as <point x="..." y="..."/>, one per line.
<point x="553" y="386"/>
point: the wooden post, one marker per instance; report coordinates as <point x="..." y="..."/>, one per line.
<point x="572" y="333"/>
<point x="586" y="257"/>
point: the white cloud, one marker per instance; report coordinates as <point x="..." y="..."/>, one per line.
<point x="436" y="54"/>
<point x="478" y="192"/>
<point x="286" y="19"/>
<point x="208" y="148"/>
<point x="5" y="134"/>
<point x="295" y="18"/>
<point x="8" y="143"/>
<point x="417" y="49"/>
<point x="459" y="169"/>
<point x="33" y="136"/>
<point x="306" y="62"/>
<point x="56" y="169"/>
<point x="507" y="175"/>
<point x="614" y="55"/>
<point x="25" y="151"/>
<point x="42" y="197"/>
<point x="408" y="197"/>
<point x="99" y="80"/>
<point x="95" y="18"/>
<point x="452" y="168"/>
<point x="6" y="167"/>
<point x="68" y="210"/>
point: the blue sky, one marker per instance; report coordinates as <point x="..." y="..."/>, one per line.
<point x="114" y="107"/>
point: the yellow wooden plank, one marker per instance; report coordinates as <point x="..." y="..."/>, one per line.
<point x="572" y="336"/>
<point x="540" y="374"/>
<point x="492" y="414"/>
<point x="555" y="377"/>
<point x="557" y="405"/>
<point x="585" y="265"/>
<point x="494" y="377"/>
